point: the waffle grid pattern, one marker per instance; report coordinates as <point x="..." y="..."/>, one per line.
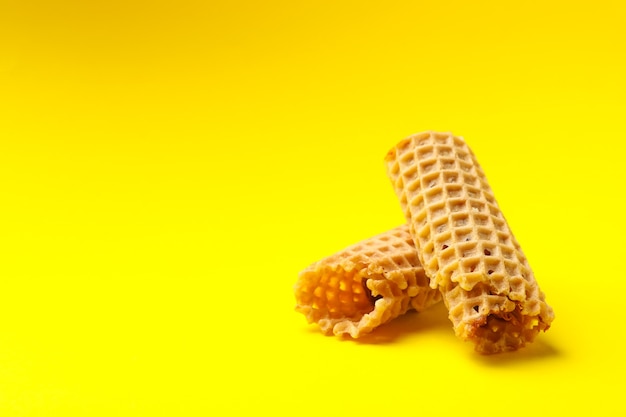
<point x="464" y="242"/>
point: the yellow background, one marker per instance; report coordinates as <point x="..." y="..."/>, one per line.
<point x="167" y="168"/>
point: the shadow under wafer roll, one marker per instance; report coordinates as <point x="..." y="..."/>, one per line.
<point x="365" y="285"/>
<point x="464" y="243"/>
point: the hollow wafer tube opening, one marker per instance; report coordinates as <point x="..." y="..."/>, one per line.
<point x="365" y="285"/>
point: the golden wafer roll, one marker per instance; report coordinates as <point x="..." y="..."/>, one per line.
<point x="365" y="285"/>
<point x="464" y="243"/>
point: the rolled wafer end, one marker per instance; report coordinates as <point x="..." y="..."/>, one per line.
<point x="506" y="332"/>
<point x="337" y="299"/>
<point x="364" y="286"/>
<point x="496" y="322"/>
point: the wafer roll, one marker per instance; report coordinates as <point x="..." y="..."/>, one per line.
<point x="464" y="243"/>
<point x="365" y="285"/>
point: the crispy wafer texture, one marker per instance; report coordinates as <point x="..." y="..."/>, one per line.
<point x="365" y="285"/>
<point x="465" y="244"/>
